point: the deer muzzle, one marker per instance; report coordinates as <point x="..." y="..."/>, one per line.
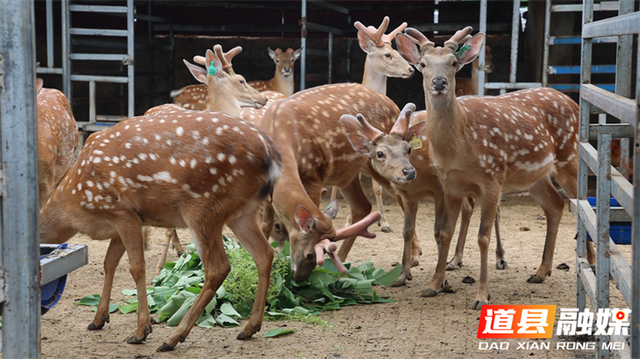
<point x="439" y="83"/>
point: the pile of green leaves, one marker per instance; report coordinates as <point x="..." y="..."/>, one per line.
<point x="174" y="290"/>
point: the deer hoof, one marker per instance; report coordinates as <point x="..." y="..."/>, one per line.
<point x="446" y="288"/>
<point x="135" y="340"/>
<point x="501" y="264"/>
<point x="386" y="229"/>
<point x="243" y="336"/>
<point x="453" y="266"/>
<point x="401" y="281"/>
<point x="535" y="279"/>
<point x="93" y="326"/>
<point x="477" y="305"/>
<point x="429" y="293"/>
<point x="164" y="348"/>
<point x="415" y="262"/>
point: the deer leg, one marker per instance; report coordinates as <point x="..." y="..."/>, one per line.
<point x="252" y="239"/>
<point x="467" y="211"/>
<point x="216" y="267"/>
<point x="111" y="260"/>
<point x="445" y="225"/>
<point x="130" y="232"/>
<point x="377" y="190"/>
<point x="268" y="218"/>
<point x="408" y="233"/>
<point x="487" y="217"/>
<point x="359" y="206"/>
<point x="501" y="255"/>
<point x="168" y="233"/>
<point x="548" y="198"/>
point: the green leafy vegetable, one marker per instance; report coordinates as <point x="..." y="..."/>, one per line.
<point x="277" y="332"/>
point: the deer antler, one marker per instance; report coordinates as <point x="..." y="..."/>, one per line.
<point x="392" y="35"/>
<point x="402" y="123"/>
<point x="359" y="123"/>
<point x="418" y="37"/>
<point x="359" y="228"/>
<point x="461" y="36"/>
<point x="226" y="57"/>
<point x="377" y="35"/>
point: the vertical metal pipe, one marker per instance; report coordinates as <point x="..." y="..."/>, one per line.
<point x="92" y="101"/>
<point x="515" y="34"/>
<point x="349" y="52"/>
<point x="66" y="50"/>
<point x="546" y="49"/>
<point x="130" y="52"/>
<point x="303" y="45"/>
<point x="19" y="229"/>
<point x="635" y="235"/>
<point x="603" y="264"/>
<point x="482" y="56"/>
<point x="623" y="77"/>
<point x="330" y="72"/>
<point x="49" y="34"/>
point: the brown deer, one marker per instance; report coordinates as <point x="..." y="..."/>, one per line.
<point x="171" y="168"/>
<point x="469" y="86"/>
<point x="382" y="61"/>
<point x="57" y="138"/>
<point x="482" y="147"/>
<point x="282" y="80"/>
<point x="315" y="151"/>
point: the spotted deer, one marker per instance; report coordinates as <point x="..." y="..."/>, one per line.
<point x="195" y="97"/>
<point x="315" y="151"/>
<point x="282" y="80"/>
<point x="469" y="86"/>
<point x="171" y="168"/>
<point x="382" y="61"/>
<point x="57" y="138"/>
<point x="483" y="146"/>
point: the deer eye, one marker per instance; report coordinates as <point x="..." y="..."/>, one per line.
<point x="409" y="152"/>
<point x="423" y="65"/>
<point x="241" y="82"/>
<point x="380" y="154"/>
<point x="309" y="256"/>
<point x="455" y="63"/>
<point x="387" y="55"/>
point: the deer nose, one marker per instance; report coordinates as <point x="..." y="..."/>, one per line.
<point x="409" y="173"/>
<point x="286" y="69"/>
<point x="439" y="83"/>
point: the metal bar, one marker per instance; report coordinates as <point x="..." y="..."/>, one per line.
<point x="511" y="85"/>
<point x="98" y="57"/>
<point x="515" y="32"/>
<point x="482" y="56"/>
<point x="616" y="130"/>
<point x="330" y="56"/>
<point x="604" y="6"/>
<point x="131" y="55"/>
<point x="618" y="106"/>
<point x="587" y="279"/>
<point x="331" y="6"/>
<point x="577" y="40"/>
<point x="49" y="8"/>
<point x="622" y="191"/>
<point x="303" y="44"/>
<point x="98" y="8"/>
<point x="46" y="70"/>
<point x="66" y="49"/>
<point x="19" y="228"/>
<point x="98" y="78"/>
<point x="596" y="69"/>
<point x="635" y="236"/>
<point x="318" y="27"/>
<point x="98" y="32"/>
<point x="576" y="87"/>
<point x="92" y="101"/>
<point x="547" y="35"/>
<point x="62" y="262"/>
<point x="614" y="26"/>
<point x="623" y="77"/>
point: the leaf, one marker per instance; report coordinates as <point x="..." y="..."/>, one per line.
<point x="277" y="332"/>
<point x="91" y="300"/>
<point x="128" y="308"/>
<point x="206" y="321"/>
<point x="228" y="309"/>
<point x="129" y="292"/>
<point x="226" y="321"/>
<point x="180" y="313"/>
<point x="390" y="277"/>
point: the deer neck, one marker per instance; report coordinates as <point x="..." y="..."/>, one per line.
<point x="374" y="80"/>
<point x="222" y="101"/>
<point x="445" y="125"/>
<point x="283" y="84"/>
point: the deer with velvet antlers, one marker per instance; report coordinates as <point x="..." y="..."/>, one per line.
<point x="482" y="147"/>
<point x="282" y="80"/>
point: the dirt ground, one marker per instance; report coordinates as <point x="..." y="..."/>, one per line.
<point x="441" y="327"/>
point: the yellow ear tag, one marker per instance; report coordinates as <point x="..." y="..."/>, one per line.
<point x="415" y="143"/>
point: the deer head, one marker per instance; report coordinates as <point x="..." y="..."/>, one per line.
<point x="284" y="60"/>
<point x="381" y="57"/>
<point x="227" y="91"/>
<point x="390" y="154"/>
<point x="439" y="64"/>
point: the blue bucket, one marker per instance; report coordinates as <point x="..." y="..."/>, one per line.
<point x="620" y="232"/>
<point x="51" y="292"/>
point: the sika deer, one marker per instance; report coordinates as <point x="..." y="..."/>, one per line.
<point x="57" y="138"/>
<point x="315" y="151"/>
<point x="382" y="61"/>
<point x="282" y="80"/>
<point x="172" y="168"/>
<point x="484" y="146"/>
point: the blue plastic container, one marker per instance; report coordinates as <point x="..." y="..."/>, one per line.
<point x="620" y="232"/>
<point x="51" y="292"/>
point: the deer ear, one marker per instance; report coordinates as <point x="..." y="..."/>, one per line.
<point x="407" y="48"/>
<point x="359" y="143"/>
<point x="39" y="84"/>
<point x="272" y="53"/>
<point x="304" y="219"/>
<point x="365" y="42"/>
<point x="416" y="130"/>
<point x="470" y="50"/>
<point x="296" y="54"/>
<point x="198" y="72"/>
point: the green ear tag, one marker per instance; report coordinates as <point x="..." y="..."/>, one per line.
<point x="212" y="69"/>
<point x="462" y="50"/>
<point x="415" y="143"/>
